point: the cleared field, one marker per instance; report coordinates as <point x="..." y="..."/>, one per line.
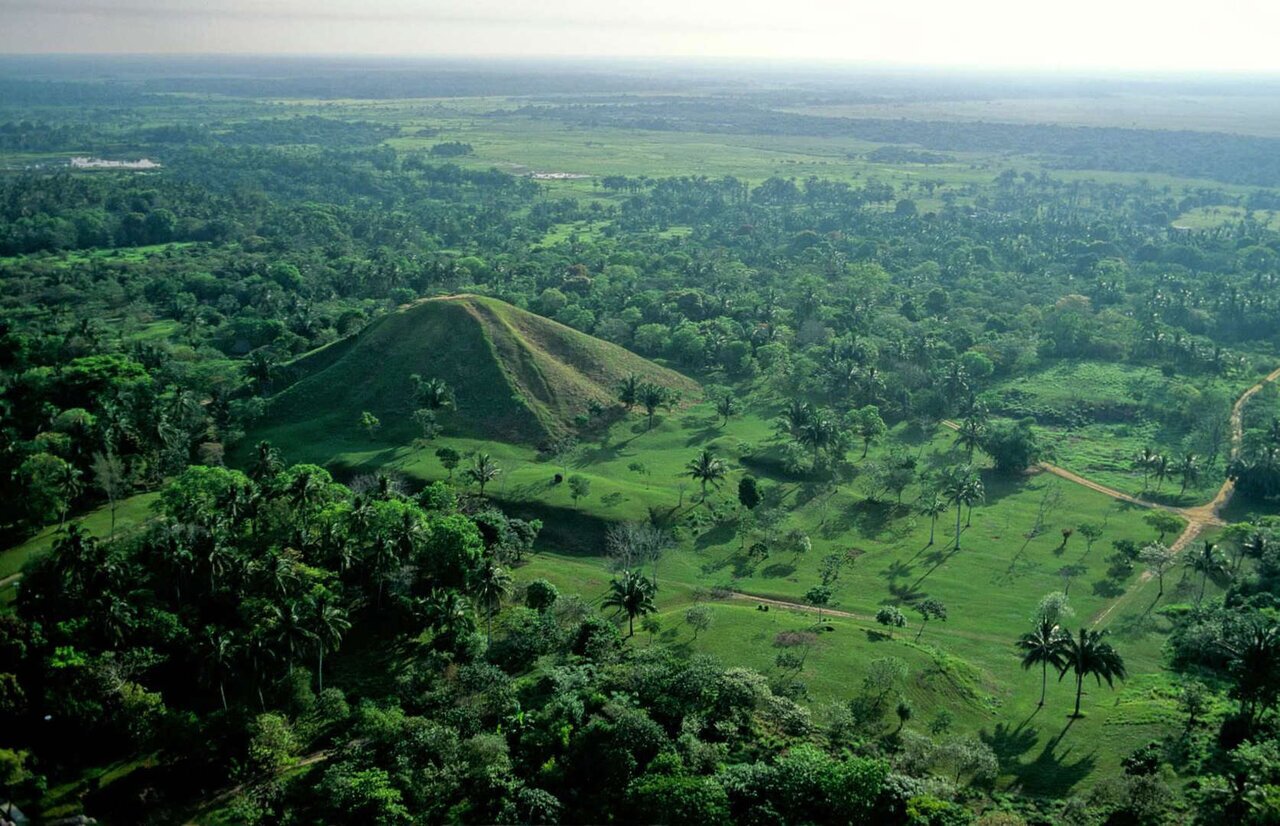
<point x="1242" y="114"/>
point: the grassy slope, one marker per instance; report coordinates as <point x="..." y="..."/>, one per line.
<point x="966" y="665"/>
<point x="131" y="511"/>
<point x="516" y="376"/>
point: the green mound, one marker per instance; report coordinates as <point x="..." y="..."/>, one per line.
<point x="516" y="376"/>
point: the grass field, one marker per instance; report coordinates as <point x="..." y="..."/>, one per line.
<point x="1109" y="422"/>
<point x="1248" y="115"/>
<point x="1011" y="555"/>
<point x="130" y="512"/>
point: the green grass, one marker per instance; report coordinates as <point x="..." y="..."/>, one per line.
<point x="130" y="512"/>
<point x="516" y="376"/>
<point x="1112" y="423"/>
<point x="991" y="586"/>
<point x="125" y="254"/>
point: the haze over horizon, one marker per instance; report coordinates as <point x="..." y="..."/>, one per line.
<point x="1088" y="35"/>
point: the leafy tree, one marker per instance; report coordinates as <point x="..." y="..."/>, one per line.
<point x="112" y="479"/>
<point x="1090" y="654"/>
<point x="1013" y="446"/>
<point x="632" y="593"/>
<point x="891" y="617"/>
<point x="1194" y="701"/>
<point x="748" y="492"/>
<point x="930" y="609"/>
<point x="369" y="423"/>
<point x="866" y="422"/>
<point x="449" y="459"/>
<point x="428" y="424"/>
<point x="698" y="617"/>
<point x="540" y="595"/>
<point x="579" y="486"/>
<point x="819" y="596"/>
<point x="678" y="799"/>
<point x="1164" y="522"/>
<point x="1091" y="532"/>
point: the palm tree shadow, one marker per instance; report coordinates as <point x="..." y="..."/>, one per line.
<point x="1009" y="744"/>
<point x="1052" y="773"/>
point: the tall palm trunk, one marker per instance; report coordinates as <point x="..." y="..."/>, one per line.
<point x="1044" y="680"/>
<point x="958" y="506"/>
<point x="320" y="668"/>
<point x="1079" y="691"/>
<point x="933" y="527"/>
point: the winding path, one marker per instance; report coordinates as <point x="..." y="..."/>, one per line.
<point x="1198" y="518"/>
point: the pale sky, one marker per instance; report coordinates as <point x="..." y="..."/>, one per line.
<point x="1144" y="35"/>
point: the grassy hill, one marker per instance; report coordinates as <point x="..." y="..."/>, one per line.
<point x="516" y="376"/>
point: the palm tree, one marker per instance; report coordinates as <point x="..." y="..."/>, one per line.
<point x="1189" y="470"/>
<point x="970" y="435"/>
<point x="932" y="505"/>
<point x="633" y="593"/>
<point x="793" y="419"/>
<point x="726" y="406"/>
<point x="69" y="486"/>
<point x="961" y="487"/>
<point x="259" y="653"/>
<point x="483" y="471"/>
<point x="1044" y="646"/>
<point x="432" y="394"/>
<point x="629" y="391"/>
<point x="491" y="585"/>
<point x="1089" y="654"/>
<point x="383" y="560"/>
<point x="1256" y="546"/>
<point x="1145" y="461"/>
<point x="1207" y="562"/>
<point x="326" y="623"/>
<point x="219" y="658"/>
<point x="289" y="631"/>
<point x="817" y="434"/>
<point x="706" y="470"/>
<point x="261" y="366"/>
<point x="445" y="611"/>
<point x="1255" y="665"/>
<point x="75" y="558"/>
<point x="1161" y="469"/>
<point x="652" y="396"/>
<point x="266" y="462"/>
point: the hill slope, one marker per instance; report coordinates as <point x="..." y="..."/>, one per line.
<point x="516" y="376"/>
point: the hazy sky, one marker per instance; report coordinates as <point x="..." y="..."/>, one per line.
<point x="1227" y="35"/>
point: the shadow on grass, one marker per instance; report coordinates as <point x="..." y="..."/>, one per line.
<point x="718" y="535"/>
<point x="1107" y="588"/>
<point x="1052" y="773"/>
<point x="778" y="570"/>
<point x="870" y="519"/>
